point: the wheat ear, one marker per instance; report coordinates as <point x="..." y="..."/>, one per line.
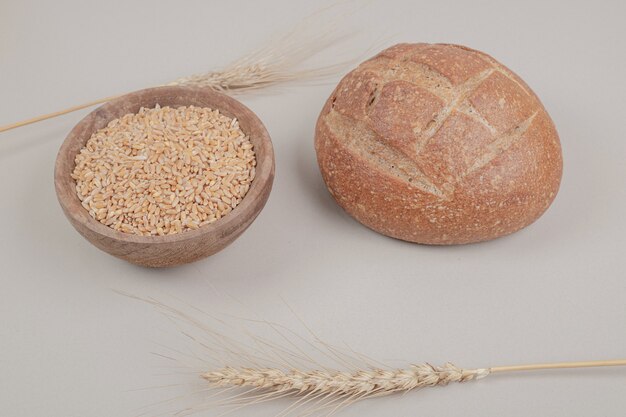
<point x="348" y="384"/>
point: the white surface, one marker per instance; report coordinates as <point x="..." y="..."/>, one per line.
<point x="70" y="346"/>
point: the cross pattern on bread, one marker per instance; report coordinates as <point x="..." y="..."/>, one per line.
<point x="455" y="97"/>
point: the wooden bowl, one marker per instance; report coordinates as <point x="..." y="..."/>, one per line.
<point x="188" y="246"/>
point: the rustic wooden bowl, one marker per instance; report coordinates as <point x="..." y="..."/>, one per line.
<point x="171" y="250"/>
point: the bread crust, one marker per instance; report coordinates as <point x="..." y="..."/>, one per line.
<point x="438" y="144"/>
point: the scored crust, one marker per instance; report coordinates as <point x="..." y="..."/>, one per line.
<point x="438" y="144"/>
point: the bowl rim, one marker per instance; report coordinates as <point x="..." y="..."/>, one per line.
<point x="264" y="173"/>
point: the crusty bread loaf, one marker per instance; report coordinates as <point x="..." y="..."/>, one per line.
<point x="438" y="144"/>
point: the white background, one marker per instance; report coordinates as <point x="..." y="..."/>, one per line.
<point x="556" y="291"/>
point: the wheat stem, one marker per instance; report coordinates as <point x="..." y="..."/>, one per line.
<point x="315" y="388"/>
<point x="278" y="62"/>
<point x="365" y="383"/>
<point x="557" y="365"/>
<point x="232" y="80"/>
<point x="55" y="114"/>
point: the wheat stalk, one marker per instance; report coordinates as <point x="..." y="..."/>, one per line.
<point x="241" y="371"/>
<point x="334" y="390"/>
<point x="367" y="382"/>
<point x="278" y="62"/>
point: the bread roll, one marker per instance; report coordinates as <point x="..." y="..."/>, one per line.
<point x="438" y="144"/>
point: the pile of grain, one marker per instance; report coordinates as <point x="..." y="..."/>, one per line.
<point x="164" y="170"/>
